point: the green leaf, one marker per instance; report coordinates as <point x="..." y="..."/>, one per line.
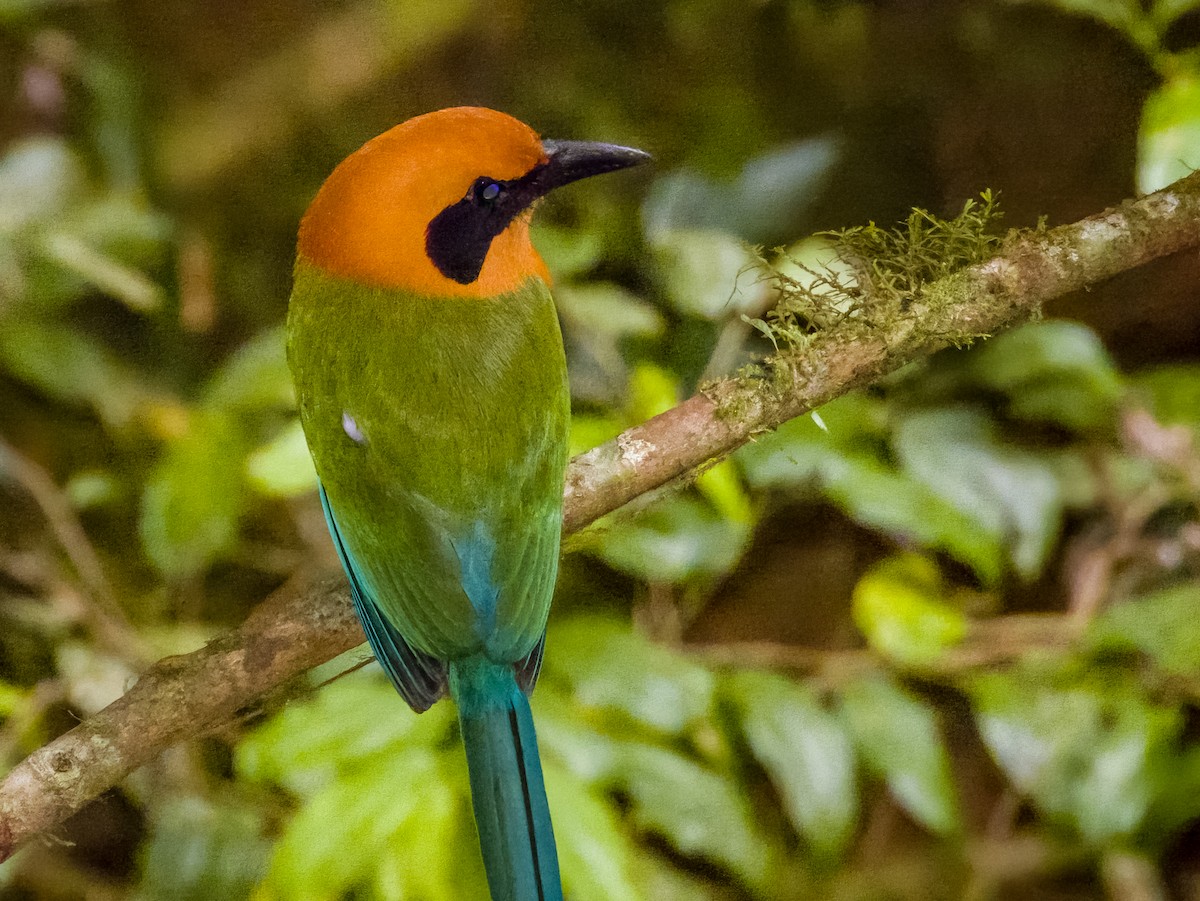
<point x="62" y="239"/>
<point x="894" y="503"/>
<point x="900" y="607"/>
<point x="1053" y="371"/>
<point x="40" y="177"/>
<point x="12" y="698"/>
<point x="384" y="798"/>
<point x="722" y="487"/>
<point x="92" y="488"/>
<point x="569" y="252"/>
<point x="652" y="390"/>
<point x="808" y="754"/>
<point x="800" y="452"/>
<point x="600" y="323"/>
<point x="592" y="431"/>
<point x="899" y="740"/>
<point x="1011" y="494"/>
<point x="1173" y="392"/>
<point x="359" y="717"/>
<point x="665" y="880"/>
<point x="194" y="497"/>
<point x="282" y="467"/>
<point x="70" y="367"/>
<point x="700" y="810"/>
<point x="709" y="274"/>
<point x="434" y="855"/>
<point x="198" y="851"/>
<point x="103" y="272"/>
<point x="123" y="227"/>
<point x="254" y="378"/>
<point x="598" y="857"/>
<point x="773" y="194"/>
<point x="845" y="462"/>
<point x="1090" y="752"/>
<point x="585" y="740"/>
<point x="1169" y="138"/>
<point x="1165" y="12"/>
<point x="608" y="666"/>
<point x="602" y="308"/>
<point x="702" y="813"/>
<point x="1163" y="625"/>
<point x="334" y="841"/>
<point x="1177" y="802"/>
<point x="679" y="538"/>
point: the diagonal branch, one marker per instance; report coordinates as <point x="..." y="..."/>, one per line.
<point x="302" y="626"/>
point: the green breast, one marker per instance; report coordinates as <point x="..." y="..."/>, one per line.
<point x="439" y="430"/>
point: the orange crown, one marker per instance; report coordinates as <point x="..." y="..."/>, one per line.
<point x="368" y="221"/>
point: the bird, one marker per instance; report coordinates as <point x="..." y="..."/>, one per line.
<point x="431" y="382"/>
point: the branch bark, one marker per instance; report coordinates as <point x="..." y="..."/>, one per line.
<point x="301" y="627"/>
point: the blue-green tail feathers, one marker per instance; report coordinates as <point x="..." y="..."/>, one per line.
<point x="509" y="797"/>
<point x="419" y="678"/>
<point x="507" y="791"/>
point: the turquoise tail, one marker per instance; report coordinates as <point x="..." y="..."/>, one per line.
<point x="507" y="791"/>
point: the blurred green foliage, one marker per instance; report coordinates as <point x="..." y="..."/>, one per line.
<point x="1009" y="647"/>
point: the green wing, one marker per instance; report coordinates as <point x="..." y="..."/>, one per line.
<point x="438" y="428"/>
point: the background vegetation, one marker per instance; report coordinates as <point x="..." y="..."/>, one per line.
<point x="940" y="643"/>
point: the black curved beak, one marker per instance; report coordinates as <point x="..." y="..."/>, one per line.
<point x="457" y="239"/>
<point x="569" y="161"/>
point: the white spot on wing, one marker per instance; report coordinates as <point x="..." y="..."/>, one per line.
<point x="350" y="427"/>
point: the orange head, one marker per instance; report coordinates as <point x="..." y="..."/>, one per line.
<point x="440" y="204"/>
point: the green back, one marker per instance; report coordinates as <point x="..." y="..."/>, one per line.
<point x="438" y="427"/>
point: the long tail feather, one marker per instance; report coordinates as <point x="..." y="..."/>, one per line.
<point x="507" y="791"/>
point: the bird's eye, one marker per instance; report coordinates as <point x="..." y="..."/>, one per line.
<point x="488" y="190"/>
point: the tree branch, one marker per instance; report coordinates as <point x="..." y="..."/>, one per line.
<point x="301" y="627"/>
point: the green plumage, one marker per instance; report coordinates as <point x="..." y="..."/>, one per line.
<point x="438" y="427"/>
<point x="454" y="491"/>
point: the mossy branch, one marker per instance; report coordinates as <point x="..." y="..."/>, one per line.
<point x="1030" y="269"/>
<point x="888" y="323"/>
